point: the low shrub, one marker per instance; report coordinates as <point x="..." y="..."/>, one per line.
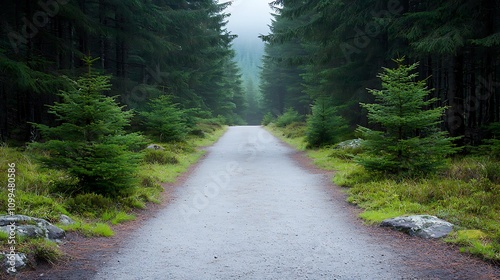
<point x="290" y="116"/>
<point x="164" y="120"/>
<point x="325" y="126"/>
<point x="295" y="130"/>
<point x="267" y="119"/>
<point x="491" y="147"/>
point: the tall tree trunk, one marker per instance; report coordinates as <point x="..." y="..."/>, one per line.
<point x="83" y="38"/>
<point x="455" y="113"/>
<point x="103" y="41"/>
<point x="120" y="46"/>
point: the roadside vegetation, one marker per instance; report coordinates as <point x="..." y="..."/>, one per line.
<point x="92" y="167"/>
<point x="466" y="192"/>
<point x="43" y="192"/>
<point x="404" y="154"/>
<point x="407" y="166"/>
<point x="77" y="112"/>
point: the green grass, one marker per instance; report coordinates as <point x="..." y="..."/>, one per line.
<point x="475" y="242"/>
<point x="466" y="193"/>
<point x="209" y="138"/>
<point x="374" y="217"/>
<point x="88" y="229"/>
<point x="4" y="236"/>
<point x="117" y="217"/>
<point x="122" y="217"/>
<point x="42" y="250"/>
<point x="293" y="134"/>
<point x="38" y="192"/>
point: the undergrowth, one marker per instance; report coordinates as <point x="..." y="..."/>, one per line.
<point x="43" y="193"/>
<point x="466" y="193"/>
<point x="42" y="250"/>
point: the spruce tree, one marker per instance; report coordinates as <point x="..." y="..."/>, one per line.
<point x="90" y="142"/>
<point x="165" y="121"/>
<point x="409" y="141"/>
<point x="324" y="125"/>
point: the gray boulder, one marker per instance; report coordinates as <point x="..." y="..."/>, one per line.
<point x="155" y="147"/>
<point x="65" y="220"/>
<point x="349" y="144"/>
<point x="29" y="231"/>
<point x="424" y="226"/>
<point x="14" y="262"/>
<point x="30" y="227"/>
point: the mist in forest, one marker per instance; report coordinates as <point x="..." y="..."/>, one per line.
<point x="248" y="20"/>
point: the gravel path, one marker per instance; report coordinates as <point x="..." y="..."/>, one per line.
<point x="250" y="211"/>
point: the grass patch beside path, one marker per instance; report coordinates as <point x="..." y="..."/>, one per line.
<point x="466" y="193"/>
<point x="292" y="134"/>
<point x="38" y="192"/>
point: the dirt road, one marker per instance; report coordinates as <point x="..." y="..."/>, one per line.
<point x="249" y="211"/>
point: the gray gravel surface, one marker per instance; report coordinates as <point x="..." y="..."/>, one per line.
<point x="249" y="211"/>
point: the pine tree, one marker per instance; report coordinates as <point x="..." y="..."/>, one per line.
<point x="90" y="142"/>
<point x="164" y="120"/>
<point x="325" y="126"/>
<point x="410" y="141"/>
<point x="491" y="146"/>
<point x="281" y="81"/>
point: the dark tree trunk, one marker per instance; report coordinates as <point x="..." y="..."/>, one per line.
<point x="103" y="40"/>
<point x="455" y="113"/>
<point x="120" y="46"/>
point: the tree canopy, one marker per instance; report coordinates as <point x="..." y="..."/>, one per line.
<point x="150" y="48"/>
<point x="336" y="48"/>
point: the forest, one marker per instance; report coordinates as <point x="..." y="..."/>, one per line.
<point x="86" y="86"/>
<point x="335" y="49"/>
<point x="155" y="48"/>
<point x="399" y="97"/>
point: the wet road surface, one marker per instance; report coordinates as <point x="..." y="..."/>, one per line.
<point x="249" y="211"/>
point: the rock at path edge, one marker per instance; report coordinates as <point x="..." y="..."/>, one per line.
<point x="424" y="226"/>
<point x="31" y="227"/>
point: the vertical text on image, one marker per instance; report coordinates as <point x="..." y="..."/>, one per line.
<point x="11" y="204"/>
<point x="11" y="187"/>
